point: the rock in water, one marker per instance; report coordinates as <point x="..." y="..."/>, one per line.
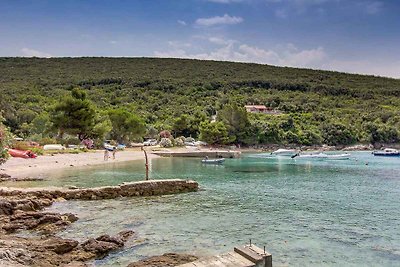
<point x="165" y="260"/>
<point x="60" y="245"/>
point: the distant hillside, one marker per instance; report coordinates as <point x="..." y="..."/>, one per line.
<point x="160" y="90"/>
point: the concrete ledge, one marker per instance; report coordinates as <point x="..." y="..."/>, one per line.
<point x="130" y="189"/>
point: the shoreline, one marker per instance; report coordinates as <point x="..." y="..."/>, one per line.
<point x="43" y="166"/>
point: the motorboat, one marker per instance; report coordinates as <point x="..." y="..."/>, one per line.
<point x="285" y="152"/>
<point x="213" y="161"/>
<point x="387" y="152"/>
<point x="310" y="156"/>
<point x="343" y="156"/>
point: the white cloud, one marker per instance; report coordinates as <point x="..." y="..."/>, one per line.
<point x="287" y="55"/>
<point x="387" y="69"/>
<point x="224" y="1"/>
<point x="373" y="7"/>
<point x="281" y="13"/>
<point x="113" y="42"/>
<point x="182" y="22"/>
<point x="220" y="41"/>
<point x="226" y="19"/>
<point x="28" y="52"/>
<point x="178" y="44"/>
<point x="231" y="50"/>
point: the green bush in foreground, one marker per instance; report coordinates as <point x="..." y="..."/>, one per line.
<point x="5" y="138"/>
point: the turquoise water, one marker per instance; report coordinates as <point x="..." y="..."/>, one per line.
<point x="306" y="213"/>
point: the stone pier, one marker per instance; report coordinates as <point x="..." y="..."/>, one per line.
<point x="245" y="256"/>
<point x="130" y="189"/>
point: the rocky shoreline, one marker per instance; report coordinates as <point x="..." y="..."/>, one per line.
<point x="21" y="210"/>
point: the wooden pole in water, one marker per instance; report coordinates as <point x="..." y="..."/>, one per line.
<point x="147" y="164"/>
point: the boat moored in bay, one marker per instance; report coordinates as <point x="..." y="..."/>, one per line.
<point x="285" y="152"/>
<point x="213" y="161"/>
<point x="387" y="152"/>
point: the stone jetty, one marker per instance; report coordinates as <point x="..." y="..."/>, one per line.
<point x="130" y="189"/>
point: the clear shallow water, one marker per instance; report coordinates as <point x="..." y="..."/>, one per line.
<point x="307" y="213"/>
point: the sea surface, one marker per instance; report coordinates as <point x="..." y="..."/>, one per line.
<point x="306" y="213"/>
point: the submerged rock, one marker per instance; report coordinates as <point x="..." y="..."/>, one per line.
<point x="105" y="243"/>
<point x="165" y="260"/>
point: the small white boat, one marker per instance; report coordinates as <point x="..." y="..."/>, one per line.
<point x="343" y="156"/>
<point x="311" y="156"/>
<point x="387" y="152"/>
<point x="213" y="161"/>
<point x="284" y="152"/>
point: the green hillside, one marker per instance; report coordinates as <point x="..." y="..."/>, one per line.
<point x="177" y="95"/>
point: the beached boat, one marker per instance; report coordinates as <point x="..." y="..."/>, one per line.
<point x="387" y="152"/>
<point x="25" y="154"/>
<point x="213" y="161"/>
<point x="284" y="152"/>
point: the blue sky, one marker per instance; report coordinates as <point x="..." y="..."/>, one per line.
<point x="358" y="36"/>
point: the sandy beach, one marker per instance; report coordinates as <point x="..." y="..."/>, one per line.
<point x="43" y="165"/>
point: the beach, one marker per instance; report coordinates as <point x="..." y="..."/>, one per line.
<point x="42" y="166"/>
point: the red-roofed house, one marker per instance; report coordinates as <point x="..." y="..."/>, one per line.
<point x="261" y="109"/>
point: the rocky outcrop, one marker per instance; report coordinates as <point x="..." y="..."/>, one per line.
<point x="132" y="189"/>
<point x="358" y="147"/>
<point x="4" y="177"/>
<point x="56" y="251"/>
<point x="25" y="214"/>
<point x="21" y="209"/>
<point x="165" y="260"/>
<point x="44" y="222"/>
<point x="102" y="245"/>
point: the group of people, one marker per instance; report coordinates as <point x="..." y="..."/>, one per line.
<point x="107" y="153"/>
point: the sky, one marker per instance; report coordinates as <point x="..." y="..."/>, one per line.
<point x="357" y="36"/>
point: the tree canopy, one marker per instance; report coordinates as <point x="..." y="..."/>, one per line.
<point x="38" y="98"/>
<point x="125" y="125"/>
<point x="74" y="114"/>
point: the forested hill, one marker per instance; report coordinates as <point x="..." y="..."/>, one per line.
<point x="315" y="103"/>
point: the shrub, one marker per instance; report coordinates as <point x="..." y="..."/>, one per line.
<point x="165" y="134"/>
<point x="180" y="141"/>
<point x="5" y="138"/>
<point x="166" y="142"/>
<point x="47" y="141"/>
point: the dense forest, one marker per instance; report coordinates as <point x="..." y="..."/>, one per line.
<point x="150" y="95"/>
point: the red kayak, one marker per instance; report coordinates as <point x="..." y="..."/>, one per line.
<point x="26" y="154"/>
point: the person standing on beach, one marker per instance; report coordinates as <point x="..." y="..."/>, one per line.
<point x="105" y="154"/>
<point x="114" y="152"/>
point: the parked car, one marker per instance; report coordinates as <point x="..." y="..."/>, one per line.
<point x="121" y="146"/>
<point x="54" y="147"/>
<point x="200" y="143"/>
<point x="190" y="143"/>
<point x="150" y="142"/>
